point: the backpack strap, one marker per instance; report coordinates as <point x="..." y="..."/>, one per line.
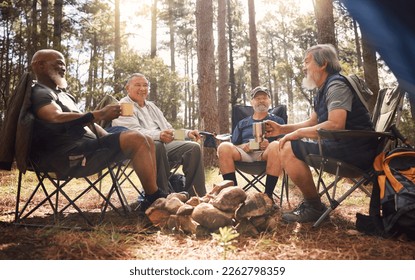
<point x="352" y="82"/>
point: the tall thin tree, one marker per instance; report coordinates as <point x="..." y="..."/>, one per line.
<point x="223" y="81"/>
<point x="232" y="80"/>
<point x="323" y="10"/>
<point x="206" y="72"/>
<point x="153" y="51"/>
<point x="57" y="25"/>
<point x="253" y="42"/>
<point x="43" y="38"/>
<point x="117" y="48"/>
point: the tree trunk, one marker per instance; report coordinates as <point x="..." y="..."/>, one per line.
<point x="172" y="56"/>
<point x="370" y="68"/>
<point x="57" y="25"/>
<point x="323" y="10"/>
<point x="358" y="48"/>
<point x="206" y="73"/>
<point x="154" y="29"/>
<point x="253" y="44"/>
<point x="153" y="80"/>
<point x="117" y="49"/>
<point x="32" y="43"/>
<point x="44" y="24"/>
<point x="223" y="82"/>
<point x="231" y="68"/>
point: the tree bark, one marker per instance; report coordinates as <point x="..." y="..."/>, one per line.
<point x="117" y="49"/>
<point x="323" y="10"/>
<point x="370" y="68"/>
<point x="206" y="71"/>
<point x="153" y="80"/>
<point x="57" y="25"/>
<point x="223" y="81"/>
<point x="44" y="24"/>
<point x="231" y="67"/>
<point x="253" y="42"/>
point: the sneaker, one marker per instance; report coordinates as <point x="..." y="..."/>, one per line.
<point x="304" y="213"/>
<point x="143" y="205"/>
<point x="145" y="202"/>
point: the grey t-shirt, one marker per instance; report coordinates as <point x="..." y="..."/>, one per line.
<point x="339" y="96"/>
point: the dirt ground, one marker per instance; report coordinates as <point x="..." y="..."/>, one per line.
<point x="122" y="237"/>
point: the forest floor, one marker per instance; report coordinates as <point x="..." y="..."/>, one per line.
<point x="131" y="238"/>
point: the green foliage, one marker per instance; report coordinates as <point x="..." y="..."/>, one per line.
<point x="407" y="125"/>
<point x="225" y="238"/>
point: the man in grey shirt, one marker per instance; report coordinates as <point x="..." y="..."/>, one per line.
<point x="149" y="120"/>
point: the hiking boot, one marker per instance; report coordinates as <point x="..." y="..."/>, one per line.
<point x="304" y="213"/>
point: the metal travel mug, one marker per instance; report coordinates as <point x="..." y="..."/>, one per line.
<point x="258" y="130"/>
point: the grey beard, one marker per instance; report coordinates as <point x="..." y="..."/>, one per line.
<point x="261" y="108"/>
<point x="308" y="84"/>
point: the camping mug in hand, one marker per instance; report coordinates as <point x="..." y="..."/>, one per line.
<point x="258" y="130"/>
<point x="127" y="109"/>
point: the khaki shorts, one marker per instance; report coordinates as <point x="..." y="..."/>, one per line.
<point x="251" y="156"/>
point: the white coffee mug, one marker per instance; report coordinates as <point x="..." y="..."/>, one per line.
<point x="179" y="134"/>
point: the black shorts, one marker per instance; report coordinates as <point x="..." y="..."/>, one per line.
<point x="359" y="153"/>
<point x="85" y="156"/>
<point x="95" y="155"/>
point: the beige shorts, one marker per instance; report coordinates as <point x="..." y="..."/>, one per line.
<point x="251" y="156"/>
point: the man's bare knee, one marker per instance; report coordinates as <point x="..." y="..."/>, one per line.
<point x="225" y="149"/>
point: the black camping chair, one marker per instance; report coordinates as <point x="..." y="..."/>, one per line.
<point x="386" y="108"/>
<point x="254" y="172"/>
<point x="51" y="187"/>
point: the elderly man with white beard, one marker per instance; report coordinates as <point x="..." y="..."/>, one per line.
<point x="335" y="107"/>
<point x="239" y="148"/>
<point x="63" y="141"/>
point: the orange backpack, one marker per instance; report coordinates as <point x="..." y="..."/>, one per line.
<point x="394" y="201"/>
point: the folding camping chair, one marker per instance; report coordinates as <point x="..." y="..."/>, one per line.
<point x="254" y="172"/>
<point x="50" y="187"/>
<point x="388" y="104"/>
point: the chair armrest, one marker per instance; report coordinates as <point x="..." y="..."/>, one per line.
<point x="209" y="141"/>
<point x="224" y="137"/>
<point x="340" y="134"/>
<point x="337" y="135"/>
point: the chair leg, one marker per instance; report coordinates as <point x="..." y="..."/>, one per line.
<point x="336" y="202"/>
<point x="19" y="186"/>
<point x="284" y="188"/>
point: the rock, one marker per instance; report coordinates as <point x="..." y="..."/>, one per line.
<point x="173" y="204"/>
<point x="229" y="199"/>
<point x="185" y="209"/>
<point x="246" y="227"/>
<point x="205" y="199"/>
<point x="218" y="187"/>
<point x="193" y="201"/>
<point x="187" y="224"/>
<point x="264" y="223"/>
<point x="182" y="196"/>
<point x="210" y="217"/>
<point x="256" y="204"/>
<point x="160" y="203"/>
<point x="157" y="216"/>
<point x="173" y="223"/>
